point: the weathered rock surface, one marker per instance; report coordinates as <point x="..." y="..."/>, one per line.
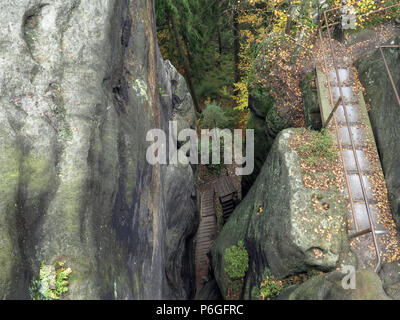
<point x="328" y="286"/>
<point x="81" y="83"/>
<point x="384" y="114"/>
<point x="390" y="276"/>
<point x="209" y="291"/>
<point x="288" y="236"/>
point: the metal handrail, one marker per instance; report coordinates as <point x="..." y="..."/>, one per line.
<point x="388" y="70"/>
<point x="338" y="140"/>
<point x="372" y="229"/>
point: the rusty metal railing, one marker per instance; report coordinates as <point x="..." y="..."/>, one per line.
<point x="341" y="99"/>
<point x="332" y="116"/>
<point x="388" y="70"/>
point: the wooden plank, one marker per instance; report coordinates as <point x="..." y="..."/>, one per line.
<point x="204" y="238"/>
<point x="207" y="232"/>
<point x="207" y="227"/>
<point x="224" y="186"/>
<point x="205" y="235"/>
<point x="208" y="213"/>
<point x="208" y="237"/>
<point x="208" y="219"/>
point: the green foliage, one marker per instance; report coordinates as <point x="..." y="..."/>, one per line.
<point x="270" y="288"/>
<point x="321" y="146"/>
<point x="264" y="103"/>
<point x="237" y="260"/>
<point x="214" y="116"/>
<point x="52" y="283"/>
<point x="34" y="290"/>
<point x="262" y="97"/>
<point x="205" y="32"/>
<point x="217" y="167"/>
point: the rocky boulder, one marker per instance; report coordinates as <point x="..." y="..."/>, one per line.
<point x="390" y="276"/>
<point x="282" y="232"/>
<point x="329" y="286"/>
<point x="384" y="114"/>
<point x="209" y="291"/>
<point x="81" y="83"/>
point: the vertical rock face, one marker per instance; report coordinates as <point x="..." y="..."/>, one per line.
<point x="384" y="114"/>
<point x="80" y="86"/>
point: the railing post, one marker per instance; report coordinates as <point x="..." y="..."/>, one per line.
<point x="333" y="111"/>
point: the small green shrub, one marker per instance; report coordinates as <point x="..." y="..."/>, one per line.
<point x="270" y="288"/>
<point x="52" y="283"/>
<point x="237" y="259"/>
<point x="214" y="116"/>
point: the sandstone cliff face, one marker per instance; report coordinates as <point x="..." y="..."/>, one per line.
<point x="80" y="85"/>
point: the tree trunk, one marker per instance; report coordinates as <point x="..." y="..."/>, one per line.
<point x="219" y="40"/>
<point x="289" y="19"/>
<point x="236" y="43"/>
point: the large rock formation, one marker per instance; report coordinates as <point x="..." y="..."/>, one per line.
<point x="286" y="236"/>
<point x="81" y="83"/>
<point x="329" y="286"/>
<point x="390" y="276"/>
<point x="384" y="114"/>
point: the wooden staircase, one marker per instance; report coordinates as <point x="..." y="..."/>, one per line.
<point x="227" y="194"/>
